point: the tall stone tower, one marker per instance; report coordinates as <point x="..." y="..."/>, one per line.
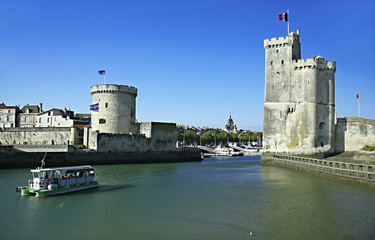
<point x="299" y="105"/>
<point x="113" y="108"/>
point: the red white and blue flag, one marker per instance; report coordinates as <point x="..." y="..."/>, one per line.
<point x="101" y="72"/>
<point x="283" y="16"/>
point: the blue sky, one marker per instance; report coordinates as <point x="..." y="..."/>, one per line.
<point x="193" y="62"/>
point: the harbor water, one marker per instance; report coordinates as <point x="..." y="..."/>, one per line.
<point x="218" y="198"/>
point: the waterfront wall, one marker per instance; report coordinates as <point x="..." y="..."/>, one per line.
<point x="354" y="133"/>
<point x="15" y="159"/>
<point x="361" y="171"/>
<point x="39" y="136"/>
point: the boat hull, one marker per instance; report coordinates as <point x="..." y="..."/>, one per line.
<point x="42" y="193"/>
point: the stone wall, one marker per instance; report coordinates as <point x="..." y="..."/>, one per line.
<point x="15" y="159"/>
<point x="162" y="135"/>
<point x="39" y="136"/>
<point x="107" y="142"/>
<point x="363" y="172"/>
<point x="354" y="133"/>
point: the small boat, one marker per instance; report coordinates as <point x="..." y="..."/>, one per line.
<point x="52" y="181"/>
<point x="225" y="151"/>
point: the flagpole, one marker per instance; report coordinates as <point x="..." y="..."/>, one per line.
<point x="288" y="19"/>
<point x="358" y="108"/>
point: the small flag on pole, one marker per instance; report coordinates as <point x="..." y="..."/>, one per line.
<point x="225" y="134"/>
<point x="199" y="133"/>
<point x="101" y="72"/>
<point x="283" y="16"/>
<point x="214" y="133"/>
<point x="357" y="95"/>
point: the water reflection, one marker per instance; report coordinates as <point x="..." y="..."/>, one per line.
<point x="213" y="199"/>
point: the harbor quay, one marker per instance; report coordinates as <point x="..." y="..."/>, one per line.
<point x="352" y="167"/>
<point x="17" y="159"/>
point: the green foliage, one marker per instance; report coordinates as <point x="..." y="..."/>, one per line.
<point x="191" y="136"/>
<point x="179" y="136"/>
<point x="209" y="138"/>
<point x="369" y="148"/>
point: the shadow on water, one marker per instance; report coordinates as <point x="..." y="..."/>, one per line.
<point x="102" y="189"/>
<point x="111" y="188"/>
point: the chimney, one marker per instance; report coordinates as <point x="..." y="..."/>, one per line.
<point x="40" y="107"/>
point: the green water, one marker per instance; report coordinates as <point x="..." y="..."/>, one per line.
<point x="219" y="198"/>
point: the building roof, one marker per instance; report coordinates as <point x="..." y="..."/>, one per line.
<point x="30" y="109"/>
<point x="9" y="107"/>
<point x="83" y="115"/>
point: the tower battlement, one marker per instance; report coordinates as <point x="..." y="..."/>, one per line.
<point x="114" y="88"/>
<point x="281" y="41"/>
<point x="314" y="63"/>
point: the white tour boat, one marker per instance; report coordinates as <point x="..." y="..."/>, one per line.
<point x="52" y="181"/>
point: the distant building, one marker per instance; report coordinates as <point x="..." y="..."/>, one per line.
<point x="8" y="116"/>
<point x="230" y="127"/>
<point x="28" y="117"/>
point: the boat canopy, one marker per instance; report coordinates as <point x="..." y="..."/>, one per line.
<point x="74" y="168"/>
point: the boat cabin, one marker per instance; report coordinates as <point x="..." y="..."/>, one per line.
<point x="49" y="178"/>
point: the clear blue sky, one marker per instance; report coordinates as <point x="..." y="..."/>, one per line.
<point x="193" y="62"/>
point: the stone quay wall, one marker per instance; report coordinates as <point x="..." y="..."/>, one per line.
<point x="362" y="172"/>
<point x="16" y="159"/>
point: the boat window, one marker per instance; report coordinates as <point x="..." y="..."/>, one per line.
<point x="92" y="173"/>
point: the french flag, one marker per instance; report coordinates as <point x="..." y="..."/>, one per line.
<point x="283" y="16"/>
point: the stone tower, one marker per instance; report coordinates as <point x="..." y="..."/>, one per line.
<point x="113" y="108"/>
<point x="299" y="105"/>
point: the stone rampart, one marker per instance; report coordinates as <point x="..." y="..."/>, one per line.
<point x="39" y="136"/>
<point x="357" y="171"/>
<point x="354" y="133"/>
<point x="107" y="142"/>
<point x="13" y="159"/>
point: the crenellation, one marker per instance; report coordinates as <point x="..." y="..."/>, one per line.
<point x="314" y="63"/>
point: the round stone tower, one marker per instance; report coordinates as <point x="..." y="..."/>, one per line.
<point x="113" y="108"/>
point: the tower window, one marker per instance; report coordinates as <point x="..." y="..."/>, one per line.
<point x="106" y="105"/>
<point x="102" y="121"/>
<point x="277" y="50"/>
<point x="271" y="62"/>
<point x="282" y="61"/>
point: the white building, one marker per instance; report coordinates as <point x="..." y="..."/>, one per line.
<point x="55" y="118"/>
<point x="8" y="116"/>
